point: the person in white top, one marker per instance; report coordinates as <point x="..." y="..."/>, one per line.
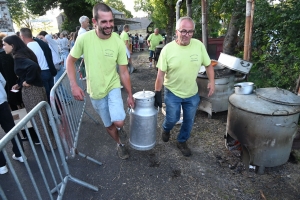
<point x="48" y="80"/>
<point x="84" y="23"/>
<point x="64" y="46"/>
<point x="141" y="42"/>
<point x="58" y="62"/>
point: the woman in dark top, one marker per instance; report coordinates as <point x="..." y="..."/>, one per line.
<point x="33" y="92"/>
<point x="14" y="99"/>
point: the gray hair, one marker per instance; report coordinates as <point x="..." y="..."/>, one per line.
<point x="82" y="19"/>
<point x="181" y="19"/>
<point x="126" y="26"/>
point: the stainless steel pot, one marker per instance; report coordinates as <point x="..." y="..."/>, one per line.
<point x="143" y="121"/>
<point x="244" y="88"/>
<point x="266" y="130"/>
<point x="224" y="87"/>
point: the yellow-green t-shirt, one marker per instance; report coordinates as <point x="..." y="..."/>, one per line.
<point x="100" y="57"/>
<point x="154" y="40"/>
<point x="124" y="36"/>
<point x="181" y="65"/>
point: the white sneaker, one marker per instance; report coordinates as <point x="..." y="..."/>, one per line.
<point x="150" y="65"/>
<point x="20" y="159"/>
<point x="3" y="170"/>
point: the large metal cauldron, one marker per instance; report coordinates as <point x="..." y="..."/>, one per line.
<point x="224" y="87"/>
<point x="143" y="121"/>
<point x="265" y="129"/>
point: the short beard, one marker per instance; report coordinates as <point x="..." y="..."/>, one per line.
<point x="102" y="31"/>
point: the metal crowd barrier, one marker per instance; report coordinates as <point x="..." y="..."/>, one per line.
<point x="68" y="114"/>
<point x="43" y="173"/>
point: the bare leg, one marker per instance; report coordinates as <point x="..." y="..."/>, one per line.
<point x="113" y="132"/>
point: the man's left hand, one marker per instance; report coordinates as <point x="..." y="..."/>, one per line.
<point x="211" y="88"/>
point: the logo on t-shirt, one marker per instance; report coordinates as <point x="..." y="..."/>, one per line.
<point x="108" y="53"/>
<point x="194" y="58"/>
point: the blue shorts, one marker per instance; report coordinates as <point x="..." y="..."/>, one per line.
<point x="110" y="108"/>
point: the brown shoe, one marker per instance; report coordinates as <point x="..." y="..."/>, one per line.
<point x="165" y="136"/>
<point x="182" y="146"/>
<point x="122" y="151"/>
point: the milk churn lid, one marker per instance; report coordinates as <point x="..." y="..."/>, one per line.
<point x="144" y="95"/>
<point x="278" y="95"/>
<point x="254" y="104"/>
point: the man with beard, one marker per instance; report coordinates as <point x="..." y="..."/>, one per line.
<point x="178" y="66"/>
<point x="103" y="50"/>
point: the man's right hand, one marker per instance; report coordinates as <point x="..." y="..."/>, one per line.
<point x="77" y="93"/>
<point x="158" y="99"/>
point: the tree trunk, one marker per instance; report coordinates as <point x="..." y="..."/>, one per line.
<point x="171" y="21"/>
<point x="230" y="39"/>
<point x="189" y="8"/>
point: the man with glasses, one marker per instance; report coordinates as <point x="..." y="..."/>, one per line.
<point x="178" y="67"/>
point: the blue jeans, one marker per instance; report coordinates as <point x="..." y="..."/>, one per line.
<point x="151" y="54"/>
<point x="59" y="73"/>
<point x="189" y="108"/>
<point x="48" y="82"/>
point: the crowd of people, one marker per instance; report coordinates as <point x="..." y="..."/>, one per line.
<point x="39" y="61"/>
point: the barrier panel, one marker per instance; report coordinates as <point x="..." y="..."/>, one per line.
<point x="43" y="173"/>
<point x="68" y="114"/>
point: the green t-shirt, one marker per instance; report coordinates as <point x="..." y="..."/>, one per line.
<point x="124" y="36"/>
<point x="181" y="65"/>
<point x="101" y="58"/>
<point x="154" y="40"/>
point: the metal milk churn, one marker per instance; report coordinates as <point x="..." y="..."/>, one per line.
<point x="143" y="121"/>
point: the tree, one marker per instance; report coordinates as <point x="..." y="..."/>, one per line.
<point x="73" y="10"/>
<point x="20" y="13"/>
<point x="162" y="13"/>
<point x="276" y="41"/>
<point x="119" y="5"/>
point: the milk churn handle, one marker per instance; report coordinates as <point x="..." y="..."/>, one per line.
<point x="129" y="110"/>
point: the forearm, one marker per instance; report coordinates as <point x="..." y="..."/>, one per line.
<point x="159" y="80"/>
<point x="70" y="67"/>
<point x="125" y="79"/>
<point x="210" y="74"/>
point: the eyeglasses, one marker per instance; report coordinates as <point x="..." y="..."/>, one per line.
<point x="185" y="32"/>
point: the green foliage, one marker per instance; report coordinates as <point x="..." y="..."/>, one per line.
<point x="73" y="10"/>
<point x="20" y="13"/>
<point x="276" y="43"/>
<point x="119" y="5"/>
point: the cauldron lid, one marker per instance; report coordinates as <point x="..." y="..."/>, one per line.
<point x="278" y="95"/>
<point x="144" y="95"/>
<point x="254" y="104"/>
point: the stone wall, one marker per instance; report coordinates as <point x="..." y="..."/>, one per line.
<point x="6" y="24"/>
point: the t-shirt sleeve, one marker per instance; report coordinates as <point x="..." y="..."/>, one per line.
<point x="122" y="57"/>
<point x="77" y="49"/>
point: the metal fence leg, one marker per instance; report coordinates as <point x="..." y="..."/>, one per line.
<point x="89" y="158"/>
<point x="91" y="117"/>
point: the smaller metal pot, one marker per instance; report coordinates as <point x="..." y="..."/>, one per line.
<point x="244" y="88"/>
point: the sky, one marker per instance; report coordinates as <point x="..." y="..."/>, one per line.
<point x="129" y="6"/>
